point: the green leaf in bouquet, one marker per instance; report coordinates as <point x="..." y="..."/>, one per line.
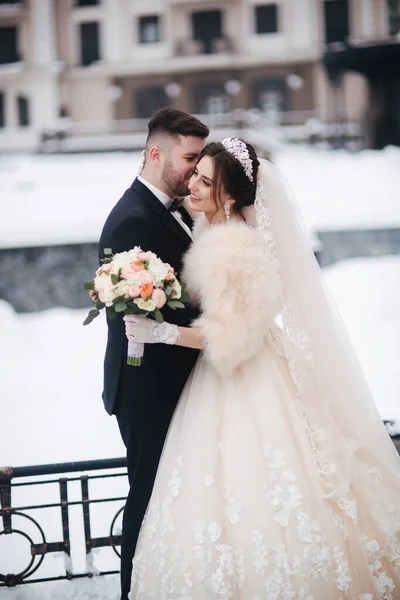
<point x="114" y="279"/>
<point x="168" y="291"/>
<point x="131" y="309"/>
<point x="120" y="307"/>
<point x="107" y="251"/>
<point x="106" y="260"/>
<point x="175" y="304"/>
<point x="100" y="305"/>
<point x="118" y="299"/>
<point x="111" y="312"/>
<point x="92" y="315"/>
<point x="88" y="285"/>
<point x="158" y="316"/>
<point x="185" y="298"/>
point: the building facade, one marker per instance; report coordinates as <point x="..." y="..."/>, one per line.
<point x="100" y="63"/>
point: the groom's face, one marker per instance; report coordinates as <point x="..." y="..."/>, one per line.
<point x="179" y="162"/>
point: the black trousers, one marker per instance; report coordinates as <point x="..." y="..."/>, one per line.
<point x="144" y="440"/>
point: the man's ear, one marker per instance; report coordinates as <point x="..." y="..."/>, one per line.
<point x="155" y="154"/>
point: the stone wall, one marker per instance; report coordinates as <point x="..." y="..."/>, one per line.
<point x="33" y="279"/>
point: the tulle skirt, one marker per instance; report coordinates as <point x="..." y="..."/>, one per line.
<point x="238" y="510"/>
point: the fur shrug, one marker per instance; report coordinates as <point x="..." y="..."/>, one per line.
<point x="231" y="277"/>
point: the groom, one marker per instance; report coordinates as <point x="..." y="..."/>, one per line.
<point x="144" y="398"/>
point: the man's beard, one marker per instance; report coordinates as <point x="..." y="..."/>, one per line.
<point x="177" y="183"/>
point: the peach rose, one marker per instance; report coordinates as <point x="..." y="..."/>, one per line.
<point x="134" y="291"/>
<point x="146" y="290"/>
<point x="159" y="298"/>
<point x="137" y="266"/>
<point x="131" y="270"/>
<point x="169" y="276"/>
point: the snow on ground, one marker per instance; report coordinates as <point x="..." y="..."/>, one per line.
<point x="337" y="189"/>
<point x="97" y="588"/>
<point x="66" y="198"/>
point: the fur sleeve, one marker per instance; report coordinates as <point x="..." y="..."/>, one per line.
<point x="232" y="278"/>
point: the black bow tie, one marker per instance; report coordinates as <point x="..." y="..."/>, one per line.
<point x="177" y="203"/>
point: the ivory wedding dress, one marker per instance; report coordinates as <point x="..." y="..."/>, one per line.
<point x="270" y="486"/>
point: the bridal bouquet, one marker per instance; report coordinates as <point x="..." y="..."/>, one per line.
<point x="134" y="282"/>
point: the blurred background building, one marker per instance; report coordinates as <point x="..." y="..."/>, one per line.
<point x="97" y="67"/>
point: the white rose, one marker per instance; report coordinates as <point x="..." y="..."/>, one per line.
<point x="133" y="254"/>
<point x="177" y="290"/>
<point x="147" y="305"/>
<point x="120" y="261"/>
<point x="158" y="270"/>
<point x="122" y="289"/>
<point x="105" y="289"/>
<point x="134" y="279"/>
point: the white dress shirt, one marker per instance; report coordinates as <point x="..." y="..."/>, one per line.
<point x="167" y="201"/>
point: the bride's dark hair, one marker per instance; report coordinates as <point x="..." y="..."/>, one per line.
<point x="229" y="174"/>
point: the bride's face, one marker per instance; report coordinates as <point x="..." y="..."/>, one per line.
<point x="201" y="188"/>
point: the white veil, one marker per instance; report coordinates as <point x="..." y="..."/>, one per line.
<point x="330" y="388"/>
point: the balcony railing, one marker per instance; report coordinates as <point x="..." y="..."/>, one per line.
<point x="11" y="9"/>
<point x="191" y="47"/>
<point x="32" y="528"/>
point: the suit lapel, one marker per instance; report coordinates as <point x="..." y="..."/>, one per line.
<point x="159" y="208"/>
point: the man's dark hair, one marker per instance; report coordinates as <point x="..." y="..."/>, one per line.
<point x="176" y="122"/>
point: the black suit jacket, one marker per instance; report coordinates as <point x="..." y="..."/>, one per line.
<point x="154" y="388"/>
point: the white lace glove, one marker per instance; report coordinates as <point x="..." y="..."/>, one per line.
<point x="146" y="331"/>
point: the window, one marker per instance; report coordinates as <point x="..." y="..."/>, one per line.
<point x="149" y="29"/>
<point x="266" y="18"/>
<point x="336" y="13"/>
<point x="210" y="98"/>
<point x="150" y="99"/>
<point x="270" y="96"/>
<point x="207" y="27"/>
<point x="8" y="45"/>
<point x="87" y="2"/>
<point x="89" y="37"/>
<point x="23" y="111"/>
<point x="2" y="111"/>
<point x="394" y="17"/>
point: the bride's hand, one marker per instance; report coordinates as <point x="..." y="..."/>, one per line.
<point x="146" y="331"/>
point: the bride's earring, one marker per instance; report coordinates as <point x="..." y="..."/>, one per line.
<point x="227" y="209"/>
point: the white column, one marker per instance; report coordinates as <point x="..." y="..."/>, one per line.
<point x="301" y="22"/>
<point x="367" y="16"/>
<point x="10" y="108"/>
<point x="43" y="32"/>
<point x="111" y="27"/>
<point x="383" y="22"/>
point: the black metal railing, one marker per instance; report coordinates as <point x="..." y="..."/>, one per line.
<point x="40" y="546"/>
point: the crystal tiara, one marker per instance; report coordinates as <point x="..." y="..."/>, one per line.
<point x="239" y="150"/>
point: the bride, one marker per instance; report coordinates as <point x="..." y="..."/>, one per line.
<point x="278" y="479"/>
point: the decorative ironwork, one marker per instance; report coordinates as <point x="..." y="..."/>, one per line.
<point x="41" y="547"/>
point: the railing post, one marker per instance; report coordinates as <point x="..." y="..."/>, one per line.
<point x="86" y="514"/>
<point x="65" y="519"/>
<point x="6" y="474"/>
